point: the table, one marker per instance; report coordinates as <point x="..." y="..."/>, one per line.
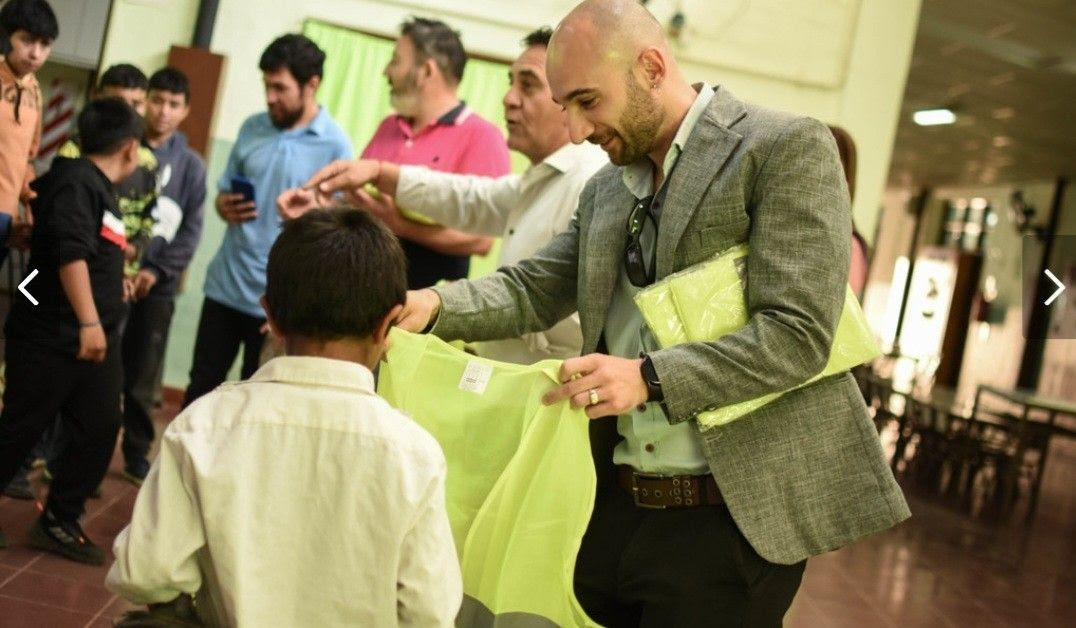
<point x="1028" y="401"/>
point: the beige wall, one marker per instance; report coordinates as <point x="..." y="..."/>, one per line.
<point x="142" y="31"/>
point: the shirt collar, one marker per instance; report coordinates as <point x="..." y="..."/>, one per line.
<point x="27" y="83"/>
<point x="452" y="117"/>
<point x="638" y="177"/>
<point x="5" y="71"/>
<point x="320" y="124"/>
<point x="455" y="115"/>
<point x="314" y="371"/>
<point x="572" y="156"/>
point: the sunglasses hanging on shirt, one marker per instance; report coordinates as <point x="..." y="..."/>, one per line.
<point x="640" y="274"/>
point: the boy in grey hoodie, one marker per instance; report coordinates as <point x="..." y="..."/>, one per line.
<point x="179" y="213"/>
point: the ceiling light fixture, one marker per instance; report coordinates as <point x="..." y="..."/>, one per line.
<point x="931" y="117"/>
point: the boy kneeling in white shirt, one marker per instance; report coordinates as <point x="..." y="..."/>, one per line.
<point x="300" y="497"/>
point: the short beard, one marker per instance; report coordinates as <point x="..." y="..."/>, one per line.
<point x="404" y="99"/>
<point x="288" y="119"/>
<point x="639" y="124"/>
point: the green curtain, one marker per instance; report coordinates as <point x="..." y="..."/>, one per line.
<point x="353" y="89"/>
<point x="357" y="95"/>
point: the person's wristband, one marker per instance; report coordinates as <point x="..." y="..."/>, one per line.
<point x="89" y="325"/>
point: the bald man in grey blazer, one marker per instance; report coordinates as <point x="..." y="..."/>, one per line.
<point x="699" y="528"/>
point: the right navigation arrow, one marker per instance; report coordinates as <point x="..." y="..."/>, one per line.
<point x="1057" y="293"/>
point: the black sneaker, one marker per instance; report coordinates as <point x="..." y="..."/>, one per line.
<point x="136" y="471"/>
<point x="19" y="488"/>
<point x="65" y="538"/>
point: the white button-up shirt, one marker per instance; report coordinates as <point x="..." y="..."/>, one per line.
<point x="526" y="211"/>
<point x="296" y="498"/>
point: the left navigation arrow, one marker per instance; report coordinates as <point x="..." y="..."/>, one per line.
<point x="22" y="286"/>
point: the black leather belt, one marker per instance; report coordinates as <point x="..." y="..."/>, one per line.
<point x="669" y="491"/>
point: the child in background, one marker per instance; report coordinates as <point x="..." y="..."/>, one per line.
<point x="175" y="237"/>
<point x="30" y="27"/>
<point x="62" y="353"/>
<point x="300" y="497"/>
<point x="137" y="194"/>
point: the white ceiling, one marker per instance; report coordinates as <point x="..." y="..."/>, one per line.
<point x="1008" y="69"/>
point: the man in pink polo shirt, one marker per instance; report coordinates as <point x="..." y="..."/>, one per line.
<point x="433" y="128"/>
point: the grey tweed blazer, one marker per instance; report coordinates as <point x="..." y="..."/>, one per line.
<point x="804" y="474"/>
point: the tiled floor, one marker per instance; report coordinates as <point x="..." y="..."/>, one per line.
<point x="940" y="568"/>
<point x="42" y="590"/>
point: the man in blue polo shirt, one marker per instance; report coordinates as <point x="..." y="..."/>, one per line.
<point x="276" y="150"/>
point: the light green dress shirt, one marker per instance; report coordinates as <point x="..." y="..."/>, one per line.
<point x="651" y="444"/>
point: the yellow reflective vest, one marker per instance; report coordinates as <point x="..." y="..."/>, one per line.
<point x="520" y="484"/>
<point x="706" y="301"/>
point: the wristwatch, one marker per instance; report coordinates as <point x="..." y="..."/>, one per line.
<point x="650" y="377"/>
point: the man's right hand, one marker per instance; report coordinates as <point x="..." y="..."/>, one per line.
<point x="421" y="308"/>
<point x="233" y="209"/>
<point x="92" y="344"/>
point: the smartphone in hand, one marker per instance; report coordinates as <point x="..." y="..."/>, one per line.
<point x="244" y="186"/>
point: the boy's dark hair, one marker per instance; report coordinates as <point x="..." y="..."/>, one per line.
<point x="124" y="76"/>
<point x="169" y="79"/>
<point x="334" y="273"/>
<point x="33" y="16"/>
<point x="538" y="37"/>
<point x="104" y="125"/>
<point x="433" y="39"/>
<point x="298" y="53"/>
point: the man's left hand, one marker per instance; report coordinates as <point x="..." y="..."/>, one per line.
<point x="143" y="282"/>
<point x="617" y="384"/>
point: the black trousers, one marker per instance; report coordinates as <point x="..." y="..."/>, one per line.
<point x="144" y="344"/>
<point x="676" y="567"/>
<point x="41" y="384"/>
<point x="221" y="330"/>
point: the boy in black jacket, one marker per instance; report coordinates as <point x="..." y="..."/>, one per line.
<point x="62" y="351"/>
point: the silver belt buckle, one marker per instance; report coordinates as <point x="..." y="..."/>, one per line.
<point x="635" y="489"/>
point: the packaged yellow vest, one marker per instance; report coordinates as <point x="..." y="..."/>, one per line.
<point x="706" y="301"/>
<point x="520" y="484"/>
